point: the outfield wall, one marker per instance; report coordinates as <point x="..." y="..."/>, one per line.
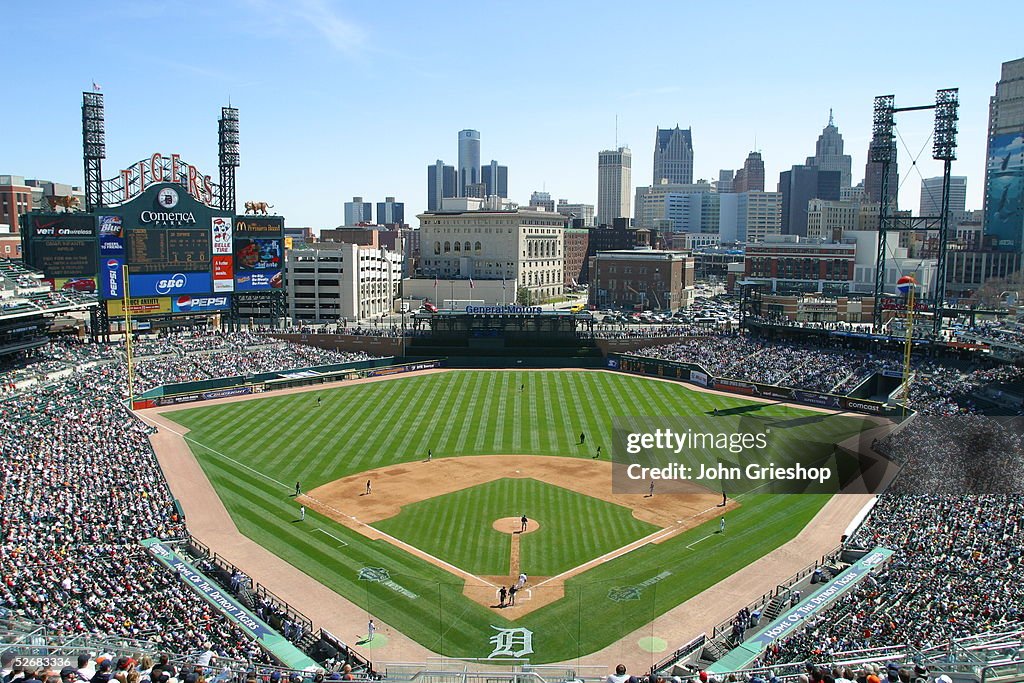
<point x="227" y="387"/>
<point x="693" y="373"/>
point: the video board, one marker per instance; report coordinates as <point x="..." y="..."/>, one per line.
<point x="259" y="254"/>
<point x="62" y="245"/>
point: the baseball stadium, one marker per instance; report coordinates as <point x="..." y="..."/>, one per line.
<point x="198" y="489"/>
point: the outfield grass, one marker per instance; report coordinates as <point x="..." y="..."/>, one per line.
<point x="254" y="452"/>
<point x="457" y="527"/>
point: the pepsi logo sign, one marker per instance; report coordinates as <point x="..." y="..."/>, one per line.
<point x="186" y="304"/>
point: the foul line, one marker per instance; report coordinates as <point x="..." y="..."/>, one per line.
<point x="698" y="541"/>
<point x="213" y="450"/>
<point x="324" y="531"/>
<point x="402" y="544"/>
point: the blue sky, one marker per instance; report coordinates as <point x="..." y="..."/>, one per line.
<point x="343" y="98"/>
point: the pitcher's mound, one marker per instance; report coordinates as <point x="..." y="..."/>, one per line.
<point x="512" y="525"/>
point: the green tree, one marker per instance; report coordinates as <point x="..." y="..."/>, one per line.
<point x="523" y="297"/>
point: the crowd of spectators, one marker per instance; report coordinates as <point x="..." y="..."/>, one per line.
<point x="177" y="358"/>
<point x="935" y="388"/>
<point x="82" y="487"/>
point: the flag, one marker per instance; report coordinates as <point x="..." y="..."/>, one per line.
<point x="503" y="283"/>
<point x="96" y="87"/>
<point x="435" y="282"/>
<point x="471" y="285"/>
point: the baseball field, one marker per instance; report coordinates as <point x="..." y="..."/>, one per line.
<point x="453" y="461"/>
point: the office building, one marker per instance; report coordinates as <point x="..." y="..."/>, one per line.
<point x="469" y="160"/>
<point x="358" y="212"/>
<point x="758" y="215"/>
<point x="679" y="204"/>
<point x="495" y="179"/>
<point x="829" y="220"/>
<point x="673" y="156"/>
<point x="800" y="185"/>
<point x="390" y="212"/>
<point x="750" y="178"/>
<point x="828" y="154"/>
<point x="873" y="179"/>
<point x="584" y="212"/>
<point x="542" y="200"/>
<point x="575" y="264"/>
<point x="789" y="264"/>
<point x="931" y="195"/>
<point x="725" y="181"/>
<point x="442" y="182"/>
<point x="329" y="281"/>
<point x="621" y="235"/>
<point x="15" y="200"/>
<point x="1004" y="170"/>
<point x="518" y="245"/>
<point x="614" y="184"/>
<point x="645" y="279"/>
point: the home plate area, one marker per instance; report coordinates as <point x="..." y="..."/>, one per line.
<point x="399" y="511"/>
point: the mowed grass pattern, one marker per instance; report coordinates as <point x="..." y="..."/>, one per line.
<point x="254" y="451"/>
<point x="458" y="527"/>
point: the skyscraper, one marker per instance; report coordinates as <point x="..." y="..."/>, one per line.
<point x="542" y="200"/>
<point x="673" y="156"/>
<point x="469" y="159"/>
<point x="931" y="195"/>
<point x="1004" y="170"/>
<point x="750" y="178"/>
<point x="873" y="178"/>
<point x="442" y="181"/>
<point x="828" y="153"/>
<point x="357" y="211"/>
<point x="390" y="212"/>
<point x="726" y="177"/>
<point x="495" y="179"/>
<point x="798" y="186"/>
<point x="614" y="180"/>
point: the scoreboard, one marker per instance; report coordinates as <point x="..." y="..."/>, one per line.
<point x="170" y="250"/>
<point x="182" y="256"/>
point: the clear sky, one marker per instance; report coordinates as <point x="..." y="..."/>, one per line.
<point x="341" y="98"/>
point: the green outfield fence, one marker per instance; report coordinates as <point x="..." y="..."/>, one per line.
<point x="240" y="385"/>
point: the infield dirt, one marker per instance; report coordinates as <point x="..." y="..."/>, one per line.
<point x="345" y="500"/>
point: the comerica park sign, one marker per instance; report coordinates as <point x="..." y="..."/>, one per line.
<point x="134" y="180"/>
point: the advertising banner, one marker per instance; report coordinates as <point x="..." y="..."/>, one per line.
<point x="111" y="225"/>
<point x="698" y="377"/>
<point x="251" y="226"/>
<point x="139" y="306"/>
<point x="111" y="246"/>
<point x="1005" y="190"/>
<point x="112" y="278"/>
<point x="186" y="303"/>
<point x="258" y="254"/>
<point x="860" y="405"/>
<point x="255" y="280"/>
<point x="770" y="391"/>
<point x="223" y="274"/>
<point x="221" y="238"/>
<point x="73" y="284"/>
<point x="164" y="284"/>
<point x="735" y="386"/>
<point x="816" y="399"/>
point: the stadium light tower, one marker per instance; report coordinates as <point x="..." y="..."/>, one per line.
<point x="94" y="148"/>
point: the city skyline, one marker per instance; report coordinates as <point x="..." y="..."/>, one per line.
<point x="307" y="146"/>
